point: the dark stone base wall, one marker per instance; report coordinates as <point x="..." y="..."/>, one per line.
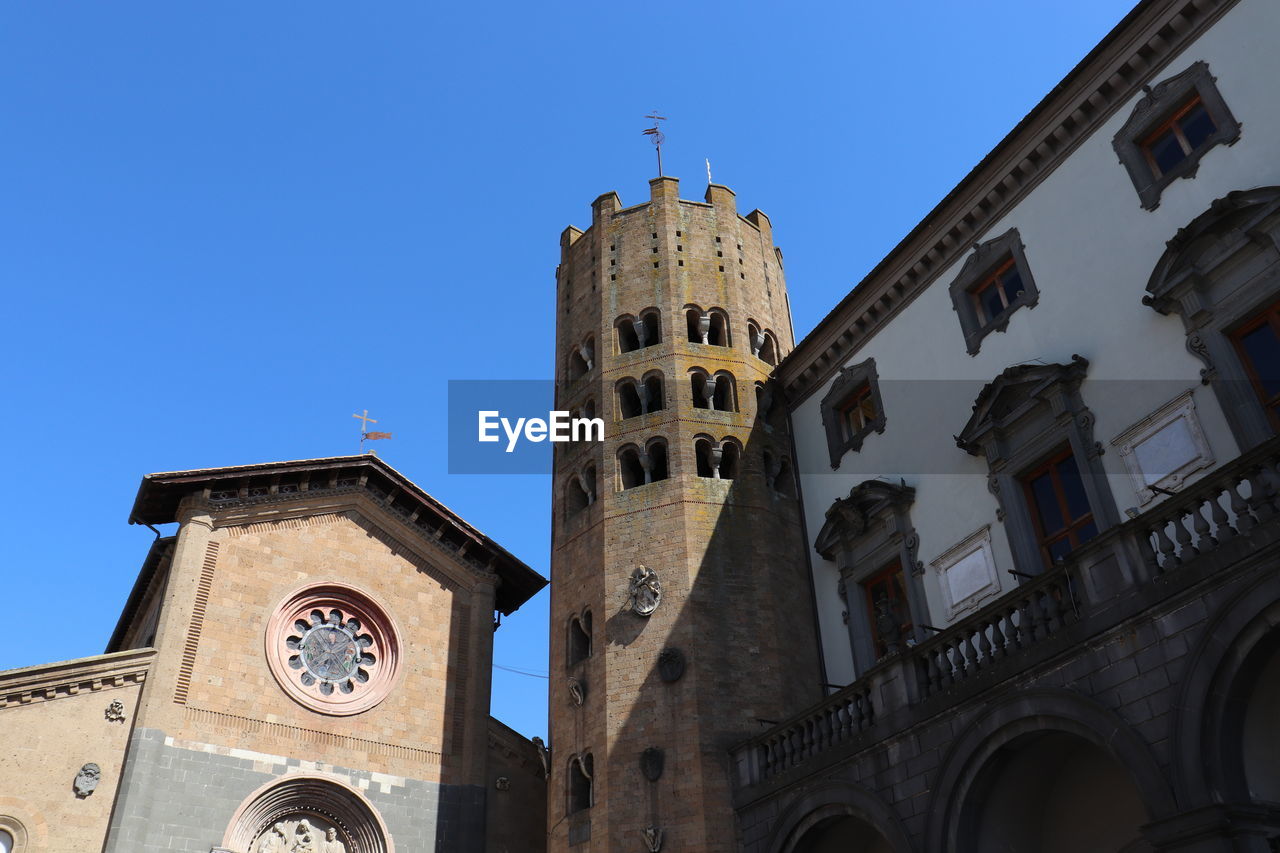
<point x="1135" y="686"/>
<point x="180" y="800"/>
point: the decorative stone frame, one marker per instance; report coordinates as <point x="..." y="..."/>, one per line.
<point x="977" y="543"/>
<point x="845" y="385"/>
<point x="309" y="793"/>
<point x="1216" y="272"/>
<point x="1021" y="418"/>
<point x="373" y="620"/>
<point x="863" y="533"/>
<point x="1179" y="410"/>
<point x="981" y="263"/>
<point x="1160" y="103"/>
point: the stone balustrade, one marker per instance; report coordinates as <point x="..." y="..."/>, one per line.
<point x="1101" y="584"/>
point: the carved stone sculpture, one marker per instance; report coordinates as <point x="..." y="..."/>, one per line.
<point x="304" y="838"/>
<point x="502" y="783"/>
<point x="332" y="844"/>
<point x="889" y="625"/>
<point x="670" y="664"/>
<point x="644" y="593"/>
<point x="273" y="841"/>
<point x="651" y="761"/>
<point x="115" y="712"/>
<point x="652" y="839"/>
<point x="544" y="755"/>
<point x="87" y="780"/>
<point x="577" y="693"/>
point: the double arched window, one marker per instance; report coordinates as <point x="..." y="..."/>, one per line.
<point x="719" y="460"/>
<point x="640" y="397"/>
<point x="639" y="467"/>
<point x="582" y="358"/>
<point x="709" y="327"/>
<point x="764" y="344"/>
<point x="716" y="391"/>
<point x="580" y="491"/>
<point x="637" y="332"/>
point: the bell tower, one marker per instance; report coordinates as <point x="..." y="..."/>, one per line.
<point x="680" y="611"/>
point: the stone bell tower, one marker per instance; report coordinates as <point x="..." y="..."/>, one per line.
<point x="680" y="608"/>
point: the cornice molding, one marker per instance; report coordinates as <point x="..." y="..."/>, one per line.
<point x="1102" y="83"/>
<point x="71" y="678"/>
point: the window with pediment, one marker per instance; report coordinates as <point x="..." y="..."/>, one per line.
<point x="1045" y="467"/>
<point x="1221" y="275"/>
<point x="870" y="538"/>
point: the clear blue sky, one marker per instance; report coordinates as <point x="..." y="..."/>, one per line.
<point x="226" y="226"/>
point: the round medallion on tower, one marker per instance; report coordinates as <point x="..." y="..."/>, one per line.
<point x="332" y="649"/>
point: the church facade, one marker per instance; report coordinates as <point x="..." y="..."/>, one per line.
<point x="304" y="667"/>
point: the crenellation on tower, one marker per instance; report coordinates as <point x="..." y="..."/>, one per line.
<point x="685" y="485"/>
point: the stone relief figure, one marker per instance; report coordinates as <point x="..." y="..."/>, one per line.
<point x="87" y="780"/>
<point x="273" y="841"/>
<point x="888" y="624"/>
<point x="576" y="692"/>
<point x="304" y="839"/>
<point x="644" y="591"/>
<point x="652" y="839"/>
<point x="331" y="843"/>
<point x="544" y="755"/>
<point x="115" y="712"/>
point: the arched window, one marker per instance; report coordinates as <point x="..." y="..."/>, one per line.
<point x="783" y="483"/>
<point x="730" y="456"/>
<point x="650" y="319"/>
<point x="628" y="339"/>
<point x="631" y="472"/>
<point x="657" y="451"/>
<point x="580" y="783"/>
<point x="702" y="388"/>
<point x="629" y="404"/>
<point x="579" y="637"/>
<point x="717" y="328"/>
<point x="575" y="497"/>
<point x="702" y="450"/>
<point x="768" y="348"/>
<point x="725" y="394"/>
<point x="582" y="358"/>
<point x="589" y="408"/>
<point x="652" y="399"/>
<point x="694" y="320"/>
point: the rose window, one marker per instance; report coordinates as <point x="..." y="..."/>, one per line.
<point x="332" y="649"/>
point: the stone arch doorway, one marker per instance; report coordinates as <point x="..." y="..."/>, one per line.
<point x="1033" y="792"/>
<point x="841" y="833"/>
<point x="307" y="812"/>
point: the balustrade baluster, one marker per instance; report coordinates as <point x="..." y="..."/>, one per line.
<point x="1244" y="520"/>
<point x="1204" y="535"/>
<point x="984" y="645"/>
<point x="1222" y="529"/>
<point x="998" y="639"/>
<point x="1013" y="640"/>
<point x="1186" y="551"/>
<point x="1168" y="553"/>
<point x="971" y="661"/>
<point x="935" y="671"/>
<point x="1261" y="494"/>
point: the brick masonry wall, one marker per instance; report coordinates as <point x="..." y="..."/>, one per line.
<point x="734" y="601"/>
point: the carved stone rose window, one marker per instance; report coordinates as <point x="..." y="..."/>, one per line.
<point x="332" y="649"/>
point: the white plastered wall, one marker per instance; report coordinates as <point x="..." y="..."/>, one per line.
<point x="1091" y="249"/>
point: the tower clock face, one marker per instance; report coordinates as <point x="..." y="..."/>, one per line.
<point x="333" y="649"/>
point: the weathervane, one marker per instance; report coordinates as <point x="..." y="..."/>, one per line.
<point x="365" y="435"/>
<point x="655" y="135"/>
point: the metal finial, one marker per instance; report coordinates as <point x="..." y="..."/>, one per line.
<point x="656" y="136"/>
